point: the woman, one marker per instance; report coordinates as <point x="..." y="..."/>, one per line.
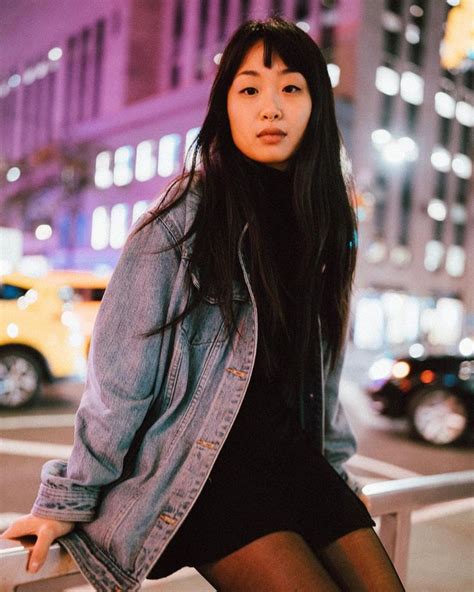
<point x="236" y="283"/>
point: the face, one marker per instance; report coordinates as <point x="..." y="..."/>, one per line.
<point x="268" y="109"/>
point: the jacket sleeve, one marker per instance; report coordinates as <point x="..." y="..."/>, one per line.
<point x="121" y="377"/>
<point x="339" y="440"/>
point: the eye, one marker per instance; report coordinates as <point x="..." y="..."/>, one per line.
<point x="252" y="91"/>
<point x="291" y="88"/>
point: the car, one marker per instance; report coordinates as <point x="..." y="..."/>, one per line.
<point x="45" y="328"/>
<point x="435" y="394"/>
<point x="87" y="290"/>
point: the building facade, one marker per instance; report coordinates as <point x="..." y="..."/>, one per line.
<point x="99" y="109"/>
<point x="414" y="120"/>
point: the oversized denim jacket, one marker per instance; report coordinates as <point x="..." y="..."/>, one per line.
<point x="156" y="410"/>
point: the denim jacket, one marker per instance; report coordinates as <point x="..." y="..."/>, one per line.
<point x="156" y="410"/>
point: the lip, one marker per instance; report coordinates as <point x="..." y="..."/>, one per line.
<point x="271" y="131"/>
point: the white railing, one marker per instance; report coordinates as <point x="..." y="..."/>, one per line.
<point x="391" y="501"/>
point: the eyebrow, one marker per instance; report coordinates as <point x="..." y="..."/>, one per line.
<point x="255" y="73"/>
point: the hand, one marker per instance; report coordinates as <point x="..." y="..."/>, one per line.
<point x="46" y="532"/>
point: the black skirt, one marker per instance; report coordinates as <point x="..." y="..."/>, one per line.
<point x="268" y="477"/>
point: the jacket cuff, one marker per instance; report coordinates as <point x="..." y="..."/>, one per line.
<point x="59" y="498"/>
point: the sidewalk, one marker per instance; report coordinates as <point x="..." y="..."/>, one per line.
<point x="441" y="555"/>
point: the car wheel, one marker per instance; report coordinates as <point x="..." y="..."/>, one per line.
<point x="438" y="416"/>
<point x="20" y="379"/>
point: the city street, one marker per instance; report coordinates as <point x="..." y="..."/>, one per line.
<point x="28" y="438"/>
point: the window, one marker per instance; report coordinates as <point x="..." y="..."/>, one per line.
<point x="139" y="208"/>
<point x="411" y="88"/>
<point x="123" y="166"/>
<point x="445" y="105"/>
<point x="462" y="166"/>
<point x="118" y="225"/>
<point x="441" y="159"/>
<point x="145" y="164"/>
<point x="11" y="292"/>
<point x="434" y="253"/>
<point x="103" y="170"/>
<point x="455" y="260"/>
<point x="465" y="113"/>
<point x="100" y="228"/>
<point x="168" y="154"/>
<point x="387" y="81"/>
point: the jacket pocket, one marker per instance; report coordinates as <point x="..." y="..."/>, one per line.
<point x="204" y="324"/>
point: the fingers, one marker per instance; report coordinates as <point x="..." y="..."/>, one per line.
<point x="45" y="530"/>
<point x="46" y="536"/>
<point x="24" y="526"/>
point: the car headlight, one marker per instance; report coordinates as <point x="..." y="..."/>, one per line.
<point x="381" y="369"/>
<point x="401" y="369"/>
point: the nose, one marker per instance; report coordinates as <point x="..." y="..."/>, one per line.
<point x="270" y="110"/>
<point x="271" y="114"/>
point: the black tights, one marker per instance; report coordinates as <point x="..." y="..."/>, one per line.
<point x="283" y="562"/>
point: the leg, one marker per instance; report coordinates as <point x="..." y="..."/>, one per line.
<point x="359" y="563"/>
<point x="277" y="562"/>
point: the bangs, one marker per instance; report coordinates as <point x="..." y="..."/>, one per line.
<point x="289" y="51"/>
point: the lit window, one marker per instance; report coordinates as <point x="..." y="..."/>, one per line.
<point x="334" y="74"/>
<point x="465" y="113"/>
<point x="457" y="213"/>
<point x="455" y="260"/>
<point x="400" y="255"/>
<point x="145" y="164"/>
<point x="400" y="150"/>
<point x="409" y="147"/>
<point x="41" y="69"/>
<point x="191" y="135"/>
<point x="103" y="170"/>
<point x="381" y="137"/>
<point x="217" y="59"/>
<point x="387" y="80"/>
<point x="416" y="10"/>
<point x="411" y="88"/>
<point x="368" y="324"/>
<point x="412" y="33"/>
<point x="118" y="225"/>
<point x="55" y="54"/>
<point x="462" y="166"/>
<point x="123" y="166"/>
<point x="304" y="26"/>
<point x="441" y="159"/>
<point x="29" y="76"/>
<point x="168" y="155"/>
<point x="14" y="80"/>
<point x="445" y="105"/>
<point x="376" y="252"/>
<point x="391" y="22"/>
<point x="448" y="322"/>
<point x="434" y="253"/>
<point x="437" y="209"/>
<point x="100" y="228"/>
<point x="43" y="232"/>
<point x="139" y="208"/>
<point x="13" y="174"/>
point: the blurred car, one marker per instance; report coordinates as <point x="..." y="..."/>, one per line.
<point x="436" y="394"/>
<point x="45" y="328"/>
<point x="86" y="292"/>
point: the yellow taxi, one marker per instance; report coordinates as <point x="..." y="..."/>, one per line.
<point x="45" y="328"/>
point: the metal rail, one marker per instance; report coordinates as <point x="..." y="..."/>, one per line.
<point x="392" y="501"/>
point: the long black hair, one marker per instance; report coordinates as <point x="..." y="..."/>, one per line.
<point x="322" y="198"/>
